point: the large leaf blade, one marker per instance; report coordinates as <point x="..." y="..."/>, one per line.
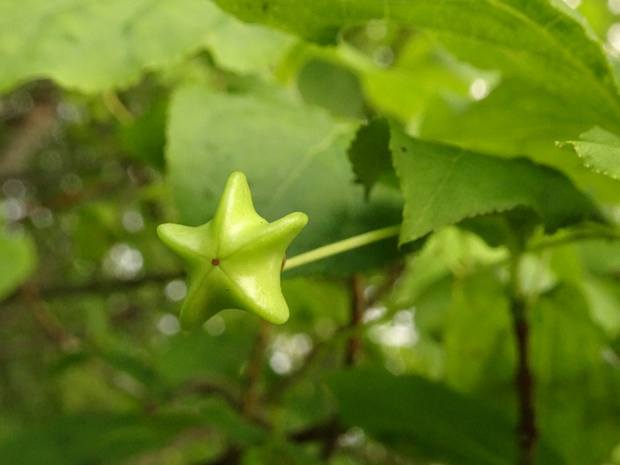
<point x="547" y="43"/>
<point x="94" y="46"/>
<point x="423" y="419"/>
<point x="104" y="438"/>
<point x="443" y="185"/>
<point x="17" y="261"/>
<point x="518" y="118"/>
<point x="576" y="390"/>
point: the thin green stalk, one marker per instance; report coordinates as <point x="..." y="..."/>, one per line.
<point x="592" y="231"/>
<point x="342" y="246"/>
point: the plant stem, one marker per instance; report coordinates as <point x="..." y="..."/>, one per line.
<point x="526" y="430"/>
<point x="358" y="306"/>
<point x="250" y="398"/>
<point x="342" y="246"/>
<point x="51" y="326"/>
<point x="527" y="433"/>
<point x="117" y="108"/>
<point x="592" y="231"/>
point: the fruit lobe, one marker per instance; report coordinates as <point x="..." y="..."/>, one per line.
<point x="234" y="260"/>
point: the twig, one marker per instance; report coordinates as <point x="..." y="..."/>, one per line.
<point x="358" y="306"/>
<point x="22" y="144"/>
<point x="327" y="433"/>
<point x="52" y="328"/>
<point x="250" y="398"/>
<point x="332" y="430"/>
<point x="312" y="359"/>
<point x="209" y="388"/>
<point x="527" y="433"/>
<point x="98" y="287"/>
<point x="232" y="456"/>
<point x="343" y="335"/>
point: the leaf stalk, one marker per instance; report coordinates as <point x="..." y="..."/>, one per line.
<point x="342" y="246"/>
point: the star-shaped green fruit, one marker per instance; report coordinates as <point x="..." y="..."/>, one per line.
<point x="234" y="260"/>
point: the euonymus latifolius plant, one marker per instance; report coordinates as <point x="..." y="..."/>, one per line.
<point x="234" y="260"/>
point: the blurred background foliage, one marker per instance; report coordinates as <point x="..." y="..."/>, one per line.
<point x="117" y="117"/>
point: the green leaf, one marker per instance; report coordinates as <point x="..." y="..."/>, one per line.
<point x="423" y="419"/>
<point x="604" y="299"/>
<point x="576" y="387"/>
<point x="184" y="356"/>
<point x="239" y="47"/>
<point x="294" y="157"/>
<point x="467" y="313"/>
<point x="478" y="340"/>
<point x="145" y="137"/>
<point x="223" y="418"/>
<point x="134" y="366"/>
<point x="448" y="252"/>
<point x="421" y="72"/>
<point x="516" y="117"/>
<point x="601" y="257"/>
<point x="369" y="153"/>
<point x="600" y="151"/>
<point x="17" y="261"/>
<point x="106" y="438"/>
<point x="331" y="86"/>
<point x="548" y="43"/>
<point x="311" y="299"/>
<point x="519" y="118"/>
<point x="444" y="184"/>
<point x="280" y="452"/>
<point x="96" y="46"/>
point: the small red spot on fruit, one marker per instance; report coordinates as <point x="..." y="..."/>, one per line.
<point x="283" y="262"/>
<point x="215" y="262"/>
